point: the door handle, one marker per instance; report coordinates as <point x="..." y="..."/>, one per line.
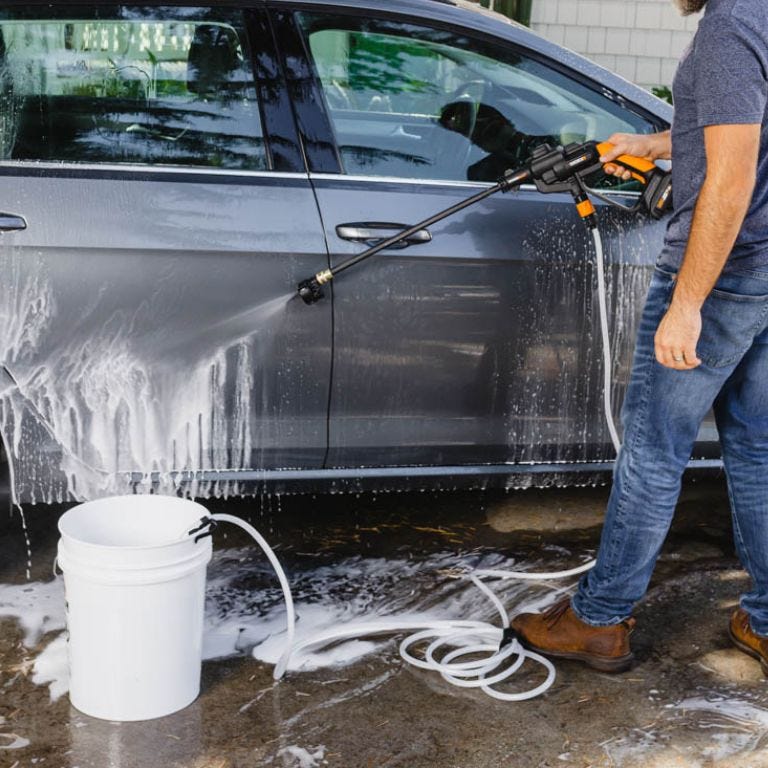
<point x="10" y="223"/>
<point x="373" y="232"/>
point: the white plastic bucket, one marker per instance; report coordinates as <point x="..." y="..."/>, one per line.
<point x="135" y="590"/>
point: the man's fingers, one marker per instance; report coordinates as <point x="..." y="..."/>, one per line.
<point x="676" y="338"/>
<point x="690" y="357"/>
<point x="622" y="144"/>
<point x="663" y="354"/>
<point x="617" y="170"/>
<point x="614" y="152"/>
<point x="679" y="360"/>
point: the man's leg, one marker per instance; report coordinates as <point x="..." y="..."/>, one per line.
<point x="742" y="420"/>
<point x="662" y="413"/>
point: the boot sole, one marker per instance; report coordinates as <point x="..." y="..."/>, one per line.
<point x="603" y="664"/>
<point x="749" y="651"/>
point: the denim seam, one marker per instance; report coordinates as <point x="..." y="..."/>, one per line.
<point x="754" y="273"/>
<point x="621" y="504"/>
<point x="612" y="622"/>
<point x="739" y="298"/>
<point x="737" y="530"/>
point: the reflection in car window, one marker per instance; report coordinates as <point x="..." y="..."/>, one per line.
<point x="124" y="84"/>
<point x="414" y="102"/>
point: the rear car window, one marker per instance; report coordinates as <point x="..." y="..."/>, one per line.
<point x="127" y="84"/>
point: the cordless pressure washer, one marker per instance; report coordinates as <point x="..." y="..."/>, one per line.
<point x="551" y="169"/>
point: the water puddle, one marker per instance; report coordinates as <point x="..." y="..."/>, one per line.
<point x="245" y="614"/>
<point x="294" y="756"/>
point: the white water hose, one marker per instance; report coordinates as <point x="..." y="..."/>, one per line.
<point x="282" y="663"/>
<point x="602" y="299"/>
<point x="501" y="655"/>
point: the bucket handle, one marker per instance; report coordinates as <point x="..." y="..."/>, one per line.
<point x="207" y="524"/>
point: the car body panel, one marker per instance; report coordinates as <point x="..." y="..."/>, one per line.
<point x="165" y="347"/>
<point x="483" y="345"/>
<point x="152" y="337"/>
<point x="150" y="325"/>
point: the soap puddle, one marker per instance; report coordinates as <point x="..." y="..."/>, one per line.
<point x="244" y="611"/>
<point x="711" y="729"/>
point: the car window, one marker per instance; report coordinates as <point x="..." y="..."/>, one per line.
<point x="414" y="102"/>
<point x="126" y="84"/>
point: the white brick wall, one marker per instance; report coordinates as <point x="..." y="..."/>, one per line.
<point x="639" y="39"/>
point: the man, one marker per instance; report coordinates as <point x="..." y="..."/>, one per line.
<point x="702" y="343"/>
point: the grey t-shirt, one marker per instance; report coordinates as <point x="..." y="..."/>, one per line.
<point x="722" y="79"/>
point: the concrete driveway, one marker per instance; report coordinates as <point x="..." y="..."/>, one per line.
<point x="691" y="700"/>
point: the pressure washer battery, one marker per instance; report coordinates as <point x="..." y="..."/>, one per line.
<point x="551" y="169"/>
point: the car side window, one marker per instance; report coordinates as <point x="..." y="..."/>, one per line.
<point x="414" y="102"/>
<point x="128" y="84"/>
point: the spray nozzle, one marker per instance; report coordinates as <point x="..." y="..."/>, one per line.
<point x="310" y="291"/>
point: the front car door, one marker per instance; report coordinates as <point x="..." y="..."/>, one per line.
<point x="158" y="215"/>
<point x="482" y="346"/>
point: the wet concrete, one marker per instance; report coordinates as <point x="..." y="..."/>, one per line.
<point x="691" y="700"/>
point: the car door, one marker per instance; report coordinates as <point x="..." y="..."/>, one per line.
<point x="157" y="216"/>
<point x="481" y="345"/>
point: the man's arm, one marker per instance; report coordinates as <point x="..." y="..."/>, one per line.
<point x="732" y="154"/>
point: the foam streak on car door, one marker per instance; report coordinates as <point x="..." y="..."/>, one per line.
<point x="149" y="320"/>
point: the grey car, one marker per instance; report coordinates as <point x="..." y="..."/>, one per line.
<point x="170" y="172"/>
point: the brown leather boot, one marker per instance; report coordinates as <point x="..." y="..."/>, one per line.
<point x="746" y="640"/>
<point x="560" y="633"/>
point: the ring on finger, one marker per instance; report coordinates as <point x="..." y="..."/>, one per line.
<point x="678" y="358"/>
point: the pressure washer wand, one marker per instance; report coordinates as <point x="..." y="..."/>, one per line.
<point x="312" y="290"/>
<point x="551" y="169"/>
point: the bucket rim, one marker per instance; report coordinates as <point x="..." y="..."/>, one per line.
<point x="122" y="574"/>
<point x="129" y="547"/>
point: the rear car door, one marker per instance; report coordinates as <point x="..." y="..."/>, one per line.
<point x="482" y="345"/>
<point x="157" y="216"/>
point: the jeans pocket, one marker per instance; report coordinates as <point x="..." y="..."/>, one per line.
<point x="729" y="323"/>
<point x="661" y="289"/>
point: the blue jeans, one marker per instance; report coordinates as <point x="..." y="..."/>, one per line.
<point x="661" y="415"/>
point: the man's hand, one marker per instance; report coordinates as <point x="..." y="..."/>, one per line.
<point x="654" y="146"/>
<point x="677" y="336"/>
